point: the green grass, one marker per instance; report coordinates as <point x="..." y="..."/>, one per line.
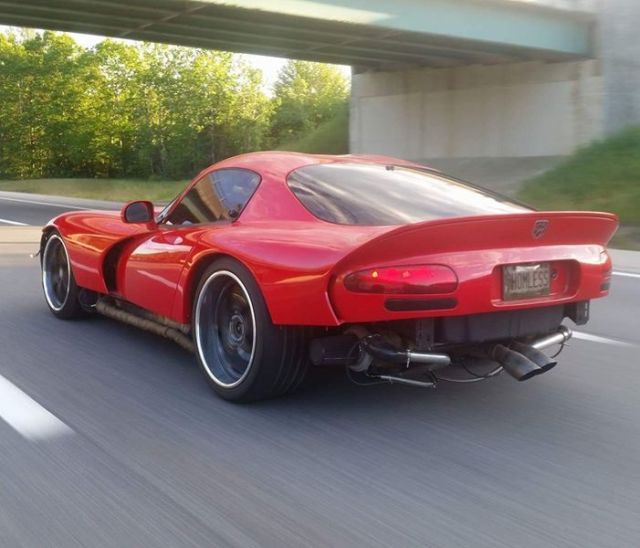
<point x="118" y="190"/>
<point x="604" y="176"/>
<point x="330" y="137"/>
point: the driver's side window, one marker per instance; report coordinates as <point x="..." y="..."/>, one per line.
<point x="219" y="196"/>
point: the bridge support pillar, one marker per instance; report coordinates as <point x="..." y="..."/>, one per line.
<point x="620" y="54"/>
<point x="523" y="114"/>
<point x="528" y="109"/>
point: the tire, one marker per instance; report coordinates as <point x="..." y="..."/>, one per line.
<point x="243" y="356"/>
<point x="59" y="285"/>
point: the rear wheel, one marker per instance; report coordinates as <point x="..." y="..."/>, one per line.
<point x="60" y="289"/>
<point x="242" y="354"/>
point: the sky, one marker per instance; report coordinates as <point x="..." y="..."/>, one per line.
<point x="269" y="65"/>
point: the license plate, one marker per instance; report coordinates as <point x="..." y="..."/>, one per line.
<point x="524" y="281"/>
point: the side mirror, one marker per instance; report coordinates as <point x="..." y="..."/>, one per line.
<point x="138" y="212"/>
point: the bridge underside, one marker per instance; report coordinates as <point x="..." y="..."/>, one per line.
<point x="378" y="34"/>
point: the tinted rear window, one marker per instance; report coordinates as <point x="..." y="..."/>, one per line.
<point x="373" y="194"/>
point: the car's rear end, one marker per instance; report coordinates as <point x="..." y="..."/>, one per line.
<point x="470" y="279"/>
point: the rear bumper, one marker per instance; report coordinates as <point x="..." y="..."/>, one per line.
<point x="584" y="273"/>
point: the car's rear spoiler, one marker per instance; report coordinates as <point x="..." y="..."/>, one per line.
<point x="486" y="232"/>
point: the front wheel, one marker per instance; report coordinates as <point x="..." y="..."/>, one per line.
<point x="242" y="354"/>
<point x="58" y="283"/>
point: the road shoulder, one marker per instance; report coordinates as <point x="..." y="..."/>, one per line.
<point x="54" y="200"/>
<point x="625" y="261"/>
<point x="19" y="240"/>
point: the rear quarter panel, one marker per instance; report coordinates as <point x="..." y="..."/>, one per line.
<point x="292" y="263"/>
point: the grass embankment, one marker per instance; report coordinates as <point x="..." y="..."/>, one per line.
<point x="330" y="137"/>
<point x="117" y="190"/>
<point x="604" y="176"/>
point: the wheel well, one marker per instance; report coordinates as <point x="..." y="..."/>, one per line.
<point x="46" y="233"/>
<point x="197" y="270"/>
<point x="110" y="264"/>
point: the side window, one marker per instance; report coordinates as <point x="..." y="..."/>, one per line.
<point x="218" y="196"/>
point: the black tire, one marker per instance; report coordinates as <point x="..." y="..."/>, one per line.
<point x="59" y="285"/>
<point x="243" y="356"/>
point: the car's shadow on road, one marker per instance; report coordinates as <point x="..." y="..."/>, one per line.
<point x="159" y="371"/>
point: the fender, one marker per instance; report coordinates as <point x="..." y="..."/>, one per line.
<point x="89" y="236"/>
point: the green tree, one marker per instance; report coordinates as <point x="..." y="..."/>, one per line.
<point x="306" y="95"/>
<point x="13" y="162"/>
<point x="144" y="110"/>
<point x="46" y="119"/>
<point x="116" y="99"/>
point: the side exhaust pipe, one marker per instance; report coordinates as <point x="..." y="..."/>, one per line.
<point x="105" y="307"/>
<point x="516" y="364"/>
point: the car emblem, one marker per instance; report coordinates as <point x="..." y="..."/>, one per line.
<point x="539" y="228"/>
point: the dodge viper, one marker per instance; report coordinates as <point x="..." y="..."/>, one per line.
<point x="270" y="263"/>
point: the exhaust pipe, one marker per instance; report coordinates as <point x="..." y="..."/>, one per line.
<point x="543" y="361"/>
<point x="559" y="337"/>
<point x="517" y="365"/>
<point x="387" y="353"/>
<point x="521" y="361"/>
<point x="358" y="354"/>
<point x="105" y="307"/>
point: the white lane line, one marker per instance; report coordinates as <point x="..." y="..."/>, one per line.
<point x="626" y="274"/>
<point x="16" y="223"/>
<point x="598" y="339"/>
<point x="50" y="204"/>
<point x="27" y="416"/>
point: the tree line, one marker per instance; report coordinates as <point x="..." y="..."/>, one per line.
<point x="146" y="110"/>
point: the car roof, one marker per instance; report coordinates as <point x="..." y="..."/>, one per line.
<point x="281" y="163"/>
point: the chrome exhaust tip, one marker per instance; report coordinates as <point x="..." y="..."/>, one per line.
<point x="543" y="361"/>
<point x="516" y="364"/>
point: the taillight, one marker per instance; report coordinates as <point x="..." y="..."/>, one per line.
<point x="415" y="279"/>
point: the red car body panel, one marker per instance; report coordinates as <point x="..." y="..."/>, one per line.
<point x="300" y="261"/>
<point x="476" y="248"/>
<point x="88" y="236"/>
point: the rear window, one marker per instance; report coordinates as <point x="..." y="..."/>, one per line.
<point x="374" y="194"/>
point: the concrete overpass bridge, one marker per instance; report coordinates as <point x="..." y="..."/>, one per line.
<point x="371" y="33"/>
<point x="443" y="80"/>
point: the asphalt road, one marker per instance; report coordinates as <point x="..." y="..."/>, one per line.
<point x="20" y="209"/>
<point x="136" y="451"/>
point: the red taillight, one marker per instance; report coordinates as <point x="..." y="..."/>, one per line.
<point x="417" y="280"/>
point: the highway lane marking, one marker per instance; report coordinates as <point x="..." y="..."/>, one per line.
<point x="50" y="204"/>
<point x="604" y="340"/>
<point x="16" y="223"/>
<point x="26" y="416"/>
<point x="627" y="274"/>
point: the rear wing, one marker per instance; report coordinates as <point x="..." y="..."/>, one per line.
<point x="535" y="229"/>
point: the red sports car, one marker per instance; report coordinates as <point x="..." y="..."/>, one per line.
<point x="273" y="261"/>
